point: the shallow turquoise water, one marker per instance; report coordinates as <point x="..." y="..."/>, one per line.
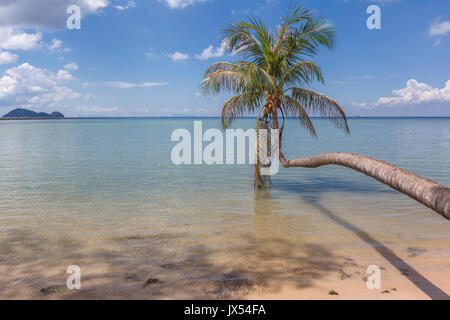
<point x="105" y="191"/>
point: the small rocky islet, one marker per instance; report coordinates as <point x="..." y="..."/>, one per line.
<point x="24" y="113"/>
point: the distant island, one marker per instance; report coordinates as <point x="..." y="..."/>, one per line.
<point x="24" y="113"/>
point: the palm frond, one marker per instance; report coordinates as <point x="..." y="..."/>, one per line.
<point x="297" y="14"/>
<point x="224" y="65"/>
<point x="239" y="77"/>
<point x="293" y="108"/>
<point x="294" y="15"/>
<point x="220" y="80"/>
<point x="275" y="65"/>
<point x="306" y="40"/>
<point x="302" y="73"/>
<point x="238" y="105"/>
<point x="318" y="31"/>
<point x="263" y="34"/>
<point x="259" y="78"/>
<point x="323" y="105"/>
<point x="240" y="40"/>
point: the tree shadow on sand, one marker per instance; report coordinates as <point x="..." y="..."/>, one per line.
<point x="323" y="185"/>
<point x="256" y="264"/>
<point x="265" y="255"/>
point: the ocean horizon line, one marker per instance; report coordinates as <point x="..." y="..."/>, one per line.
<point x="218" y="117"/>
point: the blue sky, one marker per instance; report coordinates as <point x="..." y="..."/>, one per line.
<point x="147" y="58"/>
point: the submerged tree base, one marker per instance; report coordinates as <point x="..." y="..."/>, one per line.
<point x="425" y="191"/>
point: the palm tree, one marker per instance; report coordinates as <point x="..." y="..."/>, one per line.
<point x="272" y="79"/>
<point x="274" y="73"/>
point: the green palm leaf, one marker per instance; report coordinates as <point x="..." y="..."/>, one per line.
<point x="275" y="71"/>
<point x="323" y="105"/>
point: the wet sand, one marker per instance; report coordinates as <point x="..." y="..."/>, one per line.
<point x="261" y="269"/>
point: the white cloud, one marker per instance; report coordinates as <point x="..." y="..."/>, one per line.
<point x="439" y="28"/>
<point x="177" y="112"/>
<point x="212" y="52"/>
<point x="128" y="5"/>
<point x="56" y="44"/>
<point x="71" y="66"/>
<point x="32" y="87"/>
<point x="63" y="75"/>
<point x="178" y="56"/>
<point x="413" y="94"/>
<point x="364" y="77"/>
<point x="15" y="39"/>
<point x="180" y="4"/>
<point x="152" y="84"/>
<point x="151" y="54"/>
<point x="128" y="85"/>
<point x="97" y="109"/>
<point x="8" y="57"/>
<point x="47" y="14"/>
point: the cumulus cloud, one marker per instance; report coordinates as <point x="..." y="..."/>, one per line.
<point x="55" y="45"/>
<point x="151" y="54"/>
<point x="128" y="85"/>
<point x="439" y="28"/>
<point x="63" y="75"/>
<point x="178" y="56"/>
<point x="71" y="66"/>
<point x="19" y="15"/>
<point x="48" y="14"/>
<point x="16" y="39"/>
<point x="414" y="93"/>
<point x="8" y="57"/>
<point x="180" y="4"/>
<point x="32" y="87"/>
<point x="212" y="52"/>
<point x="128" y="5"/>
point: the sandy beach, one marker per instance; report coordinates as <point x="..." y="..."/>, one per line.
<point x="293" y="277"/>
<point x="262" y="264"/>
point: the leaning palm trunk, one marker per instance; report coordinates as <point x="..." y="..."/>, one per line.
<point x="275" y="63"/>
<point x="262" y="144"/>
<point x="427" y="192"/>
